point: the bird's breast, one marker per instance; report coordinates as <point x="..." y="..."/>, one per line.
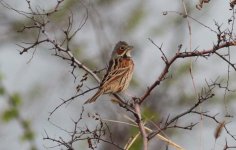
<point x="125" y="62"/>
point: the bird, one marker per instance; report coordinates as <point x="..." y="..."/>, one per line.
<point x="119" y="72"/>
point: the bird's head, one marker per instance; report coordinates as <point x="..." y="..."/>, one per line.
<point x="122" y="49"/>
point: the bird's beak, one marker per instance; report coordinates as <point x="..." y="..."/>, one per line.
<point x="130" y="47"/>
<point x="128" y="51"/>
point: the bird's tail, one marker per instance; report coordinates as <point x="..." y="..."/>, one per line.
<point x="94" y="98"/>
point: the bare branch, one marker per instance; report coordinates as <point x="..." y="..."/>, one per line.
<point x="183" y="55"/>
<point x="205" y="95"/>
<point x="141" y="126"/>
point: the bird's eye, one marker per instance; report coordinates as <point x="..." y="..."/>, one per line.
<point x="122" y="48"/>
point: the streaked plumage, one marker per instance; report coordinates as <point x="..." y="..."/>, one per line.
<point x="119" y="73"/>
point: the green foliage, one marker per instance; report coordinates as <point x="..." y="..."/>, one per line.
<point x="1" y="76"/>
<point x="28" y="135"/>
<point x="2" y="91"/>
<point x="64" y="11"/>
<point x="77" y="52"/>
<point x="26" y="124"/>
<point x="13" y="113"/>
<point x="33" y="148"/>
<point x="231" y="97"/>
<point x="186" y="98"/>
<point x="35" y="92"/>
<point x="177" y="73"/>
<point x="134" y="82"/>
<point x="104" y="2"/>
<point x="137" y="145"/>
<point x="136" y="17"/>
<point x="18" y="25"/>
<point x="15" y="100"/>
<point x="183" y="69"/>
<point x="10" y="114"/>
<point x="149" y="114"/>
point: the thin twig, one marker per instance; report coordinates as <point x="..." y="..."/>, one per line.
<point x="159" y="137"/>
<point x="178" y="55"/>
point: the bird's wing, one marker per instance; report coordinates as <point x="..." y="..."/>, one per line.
<point x="114" y="72"/>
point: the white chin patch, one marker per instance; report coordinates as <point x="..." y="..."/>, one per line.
<point x="128" y="54"/>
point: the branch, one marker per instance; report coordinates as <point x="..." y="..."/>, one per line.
<point x="141" y="126"/>
<point x="68" y="100"/>
<point x="168" y="64"/>
<point x="231" y="64"/>
<point x="73" y="59"/>
<point x="159" y="137"/>
<point x="202" y="98"/>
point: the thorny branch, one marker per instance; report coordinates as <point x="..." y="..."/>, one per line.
<point x="62" y="50"/>
<point x="65" y="53"/>
<point x="203" y="53"/>
<point x="224" y="40"/>
<point x="141" y="126"/>
<point x="82" y="132"/>
<point x="203" y="96"/>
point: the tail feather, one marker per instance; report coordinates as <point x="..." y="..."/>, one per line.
<point x="94" y="98"/>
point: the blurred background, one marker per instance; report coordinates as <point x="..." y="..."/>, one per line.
<point x="33" y="83"/>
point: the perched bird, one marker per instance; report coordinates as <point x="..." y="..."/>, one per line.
<point x="119" y="72"/>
